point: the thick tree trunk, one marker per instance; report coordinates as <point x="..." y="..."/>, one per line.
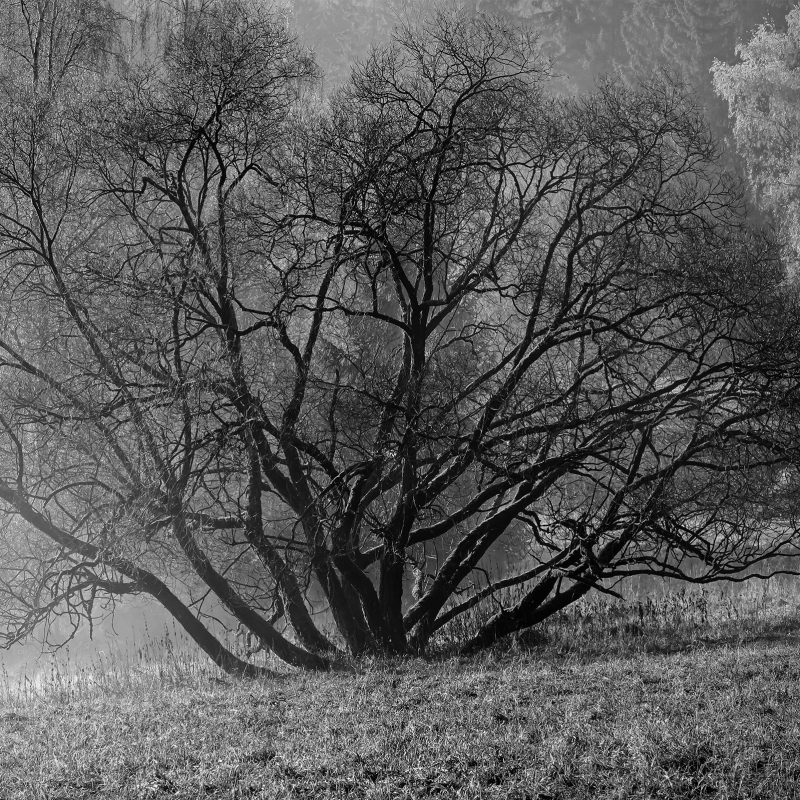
<point x="146" y="581"/>
<point x="345" y="608"/>
<point x="205" y="640"/>
<point x="365" y="595"/>
<point x="462" y="560"/>
<point x="511" y="620"/>
<point x="535" y="607"/>
<point x="391" y="599"/>
<point x="244" y="613"/>
<point x="294" y="605"/>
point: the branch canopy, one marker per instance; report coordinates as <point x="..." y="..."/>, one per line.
<point x="315" y="366"/>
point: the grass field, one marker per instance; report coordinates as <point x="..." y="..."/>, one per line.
<point x="679" y="699"/>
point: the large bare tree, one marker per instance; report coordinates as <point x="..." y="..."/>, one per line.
<point x="280" y="355"/>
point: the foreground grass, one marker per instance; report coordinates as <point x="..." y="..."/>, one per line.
<point x="713" y="721"/>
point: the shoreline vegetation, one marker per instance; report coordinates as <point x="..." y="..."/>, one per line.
<point x="694" y="694"/>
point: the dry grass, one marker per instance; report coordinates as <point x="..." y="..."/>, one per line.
<point x="717" y="714"/>
<point x="604" y="625"/>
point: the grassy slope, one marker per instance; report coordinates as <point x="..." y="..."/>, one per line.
<point x="721" y="721"/>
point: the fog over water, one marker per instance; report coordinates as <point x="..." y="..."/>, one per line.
<point x="131" y="625"/>
<point x="585" y="38"/>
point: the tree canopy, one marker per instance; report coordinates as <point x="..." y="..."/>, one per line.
<point x="314" y="361"/>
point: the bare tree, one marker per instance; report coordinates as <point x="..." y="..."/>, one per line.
<point x="289" y="354"/>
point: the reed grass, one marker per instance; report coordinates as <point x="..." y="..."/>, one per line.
<point x="595" y="626"/>
<point x="602" y="624"/>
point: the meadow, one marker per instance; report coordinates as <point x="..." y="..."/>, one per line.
<point x="687" y="695"/>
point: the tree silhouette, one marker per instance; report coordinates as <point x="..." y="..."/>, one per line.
<point x="273" y="355"/>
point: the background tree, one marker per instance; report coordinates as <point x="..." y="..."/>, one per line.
<point x="762" y="92"/>
<point x="272" y="356"/>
